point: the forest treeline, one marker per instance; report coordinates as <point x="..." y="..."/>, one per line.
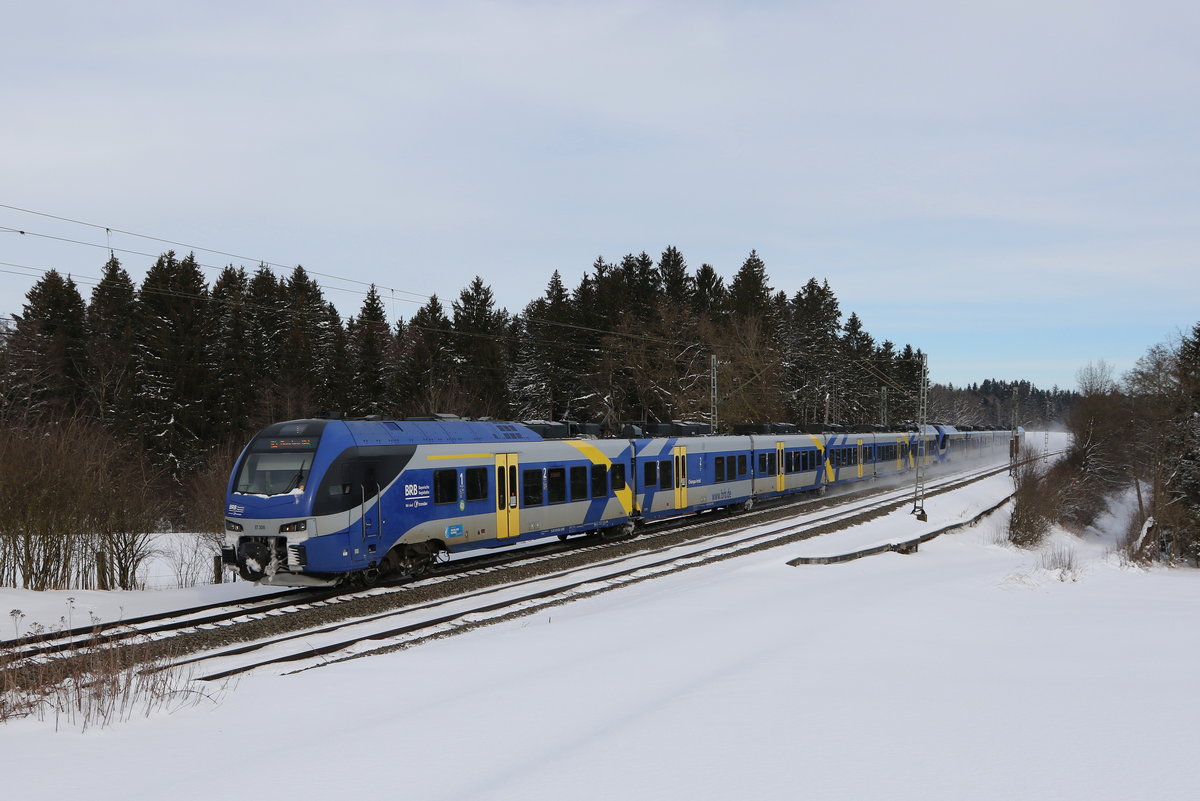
<point x="175" y="374"/>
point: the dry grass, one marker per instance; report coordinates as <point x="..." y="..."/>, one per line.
<point x="97" y="683"/>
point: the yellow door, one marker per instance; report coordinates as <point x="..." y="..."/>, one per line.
<point x="860" y="458"/>
<point x="779" y="478"/>
<point x="508" y="515"/>
<point x="680" y="454"/>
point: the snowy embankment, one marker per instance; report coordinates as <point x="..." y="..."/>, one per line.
<point x="967" y="670"/>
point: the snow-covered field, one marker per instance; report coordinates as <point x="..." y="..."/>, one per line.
<point x="966" y="671"/>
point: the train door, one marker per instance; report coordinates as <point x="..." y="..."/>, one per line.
<point x="508" y="513"/>
<point x="680" y="455"/>
<point x="860" y="458"/>
<point x="371" y="501"/>
<point x="779" y="477"/>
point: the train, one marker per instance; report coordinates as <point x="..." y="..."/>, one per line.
<point x="329" y="501"/>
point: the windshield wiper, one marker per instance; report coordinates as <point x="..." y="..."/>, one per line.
<point x="296" y="479"/>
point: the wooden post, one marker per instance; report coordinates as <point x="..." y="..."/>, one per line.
<point x="101" y="570"/>
<point x="218" y="569"/>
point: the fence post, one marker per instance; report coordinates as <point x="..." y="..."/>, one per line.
<point x="102" y="570"/>
<point x="218" y="569"/>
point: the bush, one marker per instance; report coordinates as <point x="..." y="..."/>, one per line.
<point x="1033" y="504"/>
<point x="68" y="491"/>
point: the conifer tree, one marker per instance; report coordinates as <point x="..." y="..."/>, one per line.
<point x="546" y="376"/>
<point x="266" y="316"/>
<point x="372" y="351"/>
<point x="337" y="377"/>
<point x="678" y="285"/>
<point x="110" y="324"/>
<point x="859" y="387"/>
<point x="46" y="353"/>
<point x="479" y="352"/>
<point x="641" y="283"/>
<point x="307" y="340"/>
<point x="174" y="364"/>
<point x="233" y="409"/>
<point x="749" y="292"/>
<point x="710" y="293"/>
<point x="429" y="384"/>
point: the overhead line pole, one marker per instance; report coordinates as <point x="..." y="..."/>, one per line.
<point x="922" y="423"/>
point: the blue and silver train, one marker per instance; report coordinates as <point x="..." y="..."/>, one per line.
<point x="324" y="501"/>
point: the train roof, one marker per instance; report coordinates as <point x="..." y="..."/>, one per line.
<point x="370" y="431"/>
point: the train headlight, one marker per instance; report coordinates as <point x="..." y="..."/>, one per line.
<point x="289" y="528"/>
<point x="232" y="526"/>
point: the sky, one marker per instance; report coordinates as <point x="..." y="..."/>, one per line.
<point x="1013" y="187"/>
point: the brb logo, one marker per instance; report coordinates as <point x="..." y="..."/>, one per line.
<point x="236" y="509"/>
<point x="411" y="491"/>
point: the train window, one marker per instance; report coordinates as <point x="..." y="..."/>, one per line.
<point x="719" y="464"/>
<point x="762" y="464"/>
<point x="579" y="483"/>
<point x="556" y="485"/>
<point x="445" y="486"/>
<point x="664" y="475"/>
<point x="477" y="483"/>
<point x="500" y="493"/>
<point x="618" y="477"/>
<point x="649" y="474"/>
<point x="599" y="481"/>
<point x="772" y="464"/>
<point x="741" y="465"/>
<point x="531" y="484"/>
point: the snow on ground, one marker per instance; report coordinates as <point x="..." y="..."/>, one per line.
<point x="967" y="670"/>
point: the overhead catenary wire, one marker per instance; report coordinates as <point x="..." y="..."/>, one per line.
<point x="626" y="335"/>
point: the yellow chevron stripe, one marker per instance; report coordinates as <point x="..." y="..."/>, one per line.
<point x="597" y="456"/>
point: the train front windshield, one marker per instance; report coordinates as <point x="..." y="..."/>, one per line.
<point x="275" y="467"/>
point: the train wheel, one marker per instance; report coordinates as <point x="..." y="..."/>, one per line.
<point x="747" y="505"/>
<point x="622" y="532"/>
<point x="368" y="578"/>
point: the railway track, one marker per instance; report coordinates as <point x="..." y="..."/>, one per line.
<point x="405" y="626"/>
<point x="420" y="608"/>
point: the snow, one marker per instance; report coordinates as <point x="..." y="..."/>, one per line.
<point x="967" y="670"/>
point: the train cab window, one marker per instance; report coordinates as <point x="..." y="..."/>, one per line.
<point x="579" y="483"/>
<point x="649" y="475"/>
<point x="664" y="475"/>
<point x="477" y="483"/>
<point x="719" y="466"/>
<point x="445" y="486"/>
<point x="741" y="464"/>
<point x="531" y="487"/>
<point x="618" y="477"/>
<point x="599" y="481"/>
<point x="556" y="485"/>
